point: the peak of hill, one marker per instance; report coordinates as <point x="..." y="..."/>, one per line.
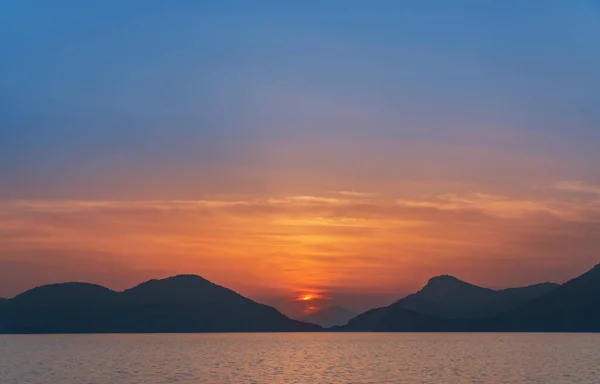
<point x="179" y="282"/>
<point x="65" y="291"/>
<point x="182" y="288"/>
<point x="449" y="297"/>
<point x="446" y="286"/>
<point x="330" y="316"/>
<point x="445" y="279"/>
<point x="184" y="303"/>
<point x="447" y="303"/>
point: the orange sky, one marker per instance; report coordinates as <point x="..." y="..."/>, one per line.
<point x="357" y="248"/>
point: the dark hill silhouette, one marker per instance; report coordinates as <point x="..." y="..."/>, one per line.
<point x="3" y="315"/>
<point x="66" y="307"/>
<point x="531" y="292"/>
<point x="330" y="316"/>
<point x="451" y="298"/>
<point x="445" y="304"/>
<point x="190" y="303"/>
<point x="183" y="303"/>
<point x="573" y="307"/>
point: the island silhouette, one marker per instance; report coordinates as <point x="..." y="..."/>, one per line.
<point x="330" y="316"/>
<point x="190" y="303"/>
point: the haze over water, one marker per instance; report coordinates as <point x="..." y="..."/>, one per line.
<point x="301" y="358"/>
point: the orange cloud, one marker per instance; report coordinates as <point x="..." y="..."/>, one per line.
<point x="577" y="186"/>
<point x="315" y="245"/>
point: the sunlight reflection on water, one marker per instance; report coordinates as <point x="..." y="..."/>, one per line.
<point x="300" y="358"/>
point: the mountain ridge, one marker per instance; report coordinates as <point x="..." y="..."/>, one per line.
<point x="449" y="297"/>
<point x="182" y="303"/>
<point x="573" y="307"/>
<point x="190" y="303"/>
<point x="447" y="303"/>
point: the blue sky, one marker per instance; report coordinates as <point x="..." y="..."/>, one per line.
<point x="192" y="81"/>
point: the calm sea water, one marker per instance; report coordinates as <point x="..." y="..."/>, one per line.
<point x="300" y="358"/>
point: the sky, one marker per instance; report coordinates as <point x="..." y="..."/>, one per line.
<point x="343" y="150"/>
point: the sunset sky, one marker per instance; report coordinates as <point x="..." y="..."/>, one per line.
<point x="342" y="150"/>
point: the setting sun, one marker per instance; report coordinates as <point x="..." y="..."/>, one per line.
<point x="306" y="297"/>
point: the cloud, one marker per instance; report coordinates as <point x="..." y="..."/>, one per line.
<point x="355" y="193"/>
<point x="577" y="186"/>
<point x="498" y="206"/>
<point x="314" y="243"/>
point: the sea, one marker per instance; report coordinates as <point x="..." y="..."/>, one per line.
<point x="300" y="358"/>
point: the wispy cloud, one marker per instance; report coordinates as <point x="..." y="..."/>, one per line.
<point x="318" y="243"/>
<point x="355" y="193"/>
<point x="500" y="206"/>
<point x="577" y="186"/>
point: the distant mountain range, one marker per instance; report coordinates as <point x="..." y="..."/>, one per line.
<point x="189" y="303"/>
<point x="449" y="304"/>
<point x="450" y="298"/>
<point x="330" y="316"/>
<point x="184" y="303"/>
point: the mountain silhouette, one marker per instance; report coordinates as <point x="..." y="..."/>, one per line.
<point x="449" y="297"/>
<point x="189" y="303"/>
<point x="531" y="292"/>
<point x="3" y="316"/>
<point x="330" y="316"/>
<point x="572" y="307"/>
<point x="447" y="303"/>
<point x="184" y="303"/>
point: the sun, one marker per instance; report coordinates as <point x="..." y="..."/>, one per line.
<point x="306" y="297"/>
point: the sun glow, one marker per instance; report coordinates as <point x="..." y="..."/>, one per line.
<point x="309" y="310"/>
<point x="306" y="297"/>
